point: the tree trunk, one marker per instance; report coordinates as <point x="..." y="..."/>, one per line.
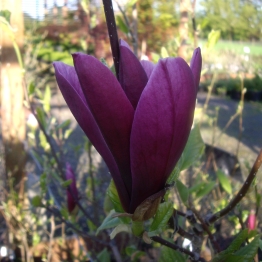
<point x="12" y="96"/>
<point x="185" y="8"/>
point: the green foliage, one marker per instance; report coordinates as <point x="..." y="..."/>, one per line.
<point x="6" y="14"/>
<point x="224" y="181"/>
<point x="109" y="222"/>
<point x="182" y="191"/>
<point x="170" y="255"/>
<point x="194" y="148"/>
<point x="121" y="24"/>
<point x="163" y="214"/>
<point x="113" y="195"/>
<point x="66" y="183"/>
<point x="192" y="152"/>
<point x="237" y="20"/>
<point x="36" y="201"/>
<point x="133" y="253"/>
<point x="235" y="253"/>
<point x="104" y="256"/>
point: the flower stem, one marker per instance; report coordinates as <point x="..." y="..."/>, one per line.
<point x="112" y="31"/>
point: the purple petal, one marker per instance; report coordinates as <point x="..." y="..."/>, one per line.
<point x="148" y="67"/>
<point x="71" y="203"/>
<point x="161" y="127"/>
<point x="132" y="75"/>
<point x="110" y="107"/>
<point x="70" y="87"/>
<point x="196" y="65"/>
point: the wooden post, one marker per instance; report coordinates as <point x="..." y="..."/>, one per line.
<point x="12" y="96"/>
<point x="185" y="9"/>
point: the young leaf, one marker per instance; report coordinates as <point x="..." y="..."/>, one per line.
<point x="194" y="148"/>
<point x="66" y="183"/>
<point x="41" y="117"/>
<point x="121" y="24"/>
<point x="249" y="251"/>
<point x="120" y="228"/>
<point x="6" y="14"/>
<point x="104" y="256"/>
<point x="163" y="214"/>
<point x="237" y="242"/>
<point x="170" y="255"/>
<point x="224" y="181"/>
<point x="206" y="189"/>
<point x="36" y="201"/>
<point x="183" y="191"/>
<point x="175" y="173"/>
<point x="109" y="222"/>
<point x="164" y="52"/>
<point x="47" y="98"/>
<point x="113" y="195"/>
<point x="31" y="88"/>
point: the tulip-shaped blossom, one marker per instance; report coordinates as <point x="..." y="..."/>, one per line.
<point x="71" y="203"/>
<point x="139" y="124"/>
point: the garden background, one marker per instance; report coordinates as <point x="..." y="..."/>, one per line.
<point x="39" y="133"/>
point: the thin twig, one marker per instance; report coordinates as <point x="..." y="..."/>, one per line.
<point x="194" y="256"/>
<point x="51" y="236"/>
<point x="133" y="37"/>
<point x="242" y="192"/>
<point x="54" y="154"/>
<point x="58" y="215"/>
<point x="206" y="228"/>
<point x="112" y="31"/>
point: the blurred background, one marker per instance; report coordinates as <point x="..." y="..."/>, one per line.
<point x="229" y="104"/>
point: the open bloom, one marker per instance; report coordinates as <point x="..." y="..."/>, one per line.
<point x="139" y="124"/>
<point x="71" y="203"/>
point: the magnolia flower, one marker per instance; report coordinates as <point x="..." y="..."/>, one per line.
<point x="71" y="203"/>
<point x="139" y="124"/>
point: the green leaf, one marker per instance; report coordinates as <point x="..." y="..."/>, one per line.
<point x="43" y="185"/>
<point x="237" y="242"/>
<point x="36" y="201"/>
<point x="6" y="14"/>
<point x="113" y="195"/>
<point x="36" y="239"/>
<point x="206" y="189"/>
<point x="213" y="38"/>
<point x="109" y="222"/>
<point x="163" y="214"/>
<point x="194" y="148"/>
<point x="31" y="88"/>
<point x="41" y="117"/>
<point x="170" y="255"/>
<point x="120" y="228"/>
<point x="64" y="212"/>
<point x="47" y="98"/>
<point x="224" y="181"/>
<point x="183" y="191"/>
<point x="175" y="173"/>
<point x="104" y="256"/>
<point x="92" y="227"/>
<point x="132" y="251"/>
<point x="43" y="141"/>
<point x="249" y="251"/>
<point x="66" y="183"/>
<point x="121" y="24"/>
<point x="164" y="53"/>
<point x="64" y="124"/>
